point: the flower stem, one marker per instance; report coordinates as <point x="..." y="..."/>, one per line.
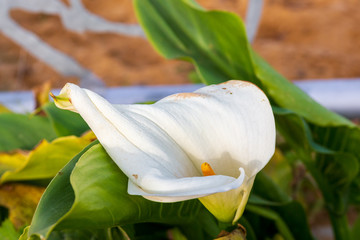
<point x="337" y="211"/>
<point x="340" y="226"/>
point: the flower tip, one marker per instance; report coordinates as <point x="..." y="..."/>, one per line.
<point x="59" y="98"/>
<point x="52" y="95"/>
<point x="63" y="100"/>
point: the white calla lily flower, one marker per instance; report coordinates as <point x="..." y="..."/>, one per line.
<point x="209" y="144"/>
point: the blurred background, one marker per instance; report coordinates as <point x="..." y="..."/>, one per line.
<point x="308" y="39"/>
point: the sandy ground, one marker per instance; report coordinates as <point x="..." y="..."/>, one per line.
<point x="302" y="39"/>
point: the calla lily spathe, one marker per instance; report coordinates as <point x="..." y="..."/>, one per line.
<point x="162" y="146"/>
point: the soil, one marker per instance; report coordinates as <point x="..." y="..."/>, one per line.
<point x="308" y="39"/>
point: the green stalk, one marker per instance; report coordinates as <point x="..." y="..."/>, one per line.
<point x="340" y="226"/>
<point x="334" y="207"/>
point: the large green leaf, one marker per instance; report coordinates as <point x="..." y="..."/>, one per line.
<point x="44" y="161"/>
<point x="216" y="43"/>
<point x="19" y="131"/>
<point x="11" y="161"/>
<point x="91" y="192"/>
<point x="178" y="30"/>
<point x="287" y="95"/>
<point x="60" y="196"/>
<point x="24" y="131"/>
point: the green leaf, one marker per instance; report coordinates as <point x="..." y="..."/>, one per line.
<point x="8" y="231"/>
<point x="345" y="141"/>
<point x="271" y="214"/>
<point x="115" y="233"/>
<point x="91" y="192"/>
<point x="340" y="169"/>
<point x="19" y="131"/>
<point x="334" y="169"/>
<point x="55" y="202"/>
<point x="289" y="218"/>
<point x="65" y="122"/>
<point x="280" y="169"/>
<point x="10" y="162"/>
<point x="288" y="96"/>
<point x="271" y="202"/>
<point x="216" y="43"/>
<point x="24" y="235"/>
<point x="294" y="216"/>
<point x="265" y="190"/>
<point x="205" y="226"/>
<point x="45" y="160"/>
<point x="250" y="233"/>
<point x="178" y="30"/>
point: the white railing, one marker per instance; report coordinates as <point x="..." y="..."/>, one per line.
<point x="339" y="95"/>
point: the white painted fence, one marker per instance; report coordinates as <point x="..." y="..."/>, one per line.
<point x="339" y="95"/>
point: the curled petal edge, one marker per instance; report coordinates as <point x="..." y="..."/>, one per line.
<point x="192" y="191"/>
